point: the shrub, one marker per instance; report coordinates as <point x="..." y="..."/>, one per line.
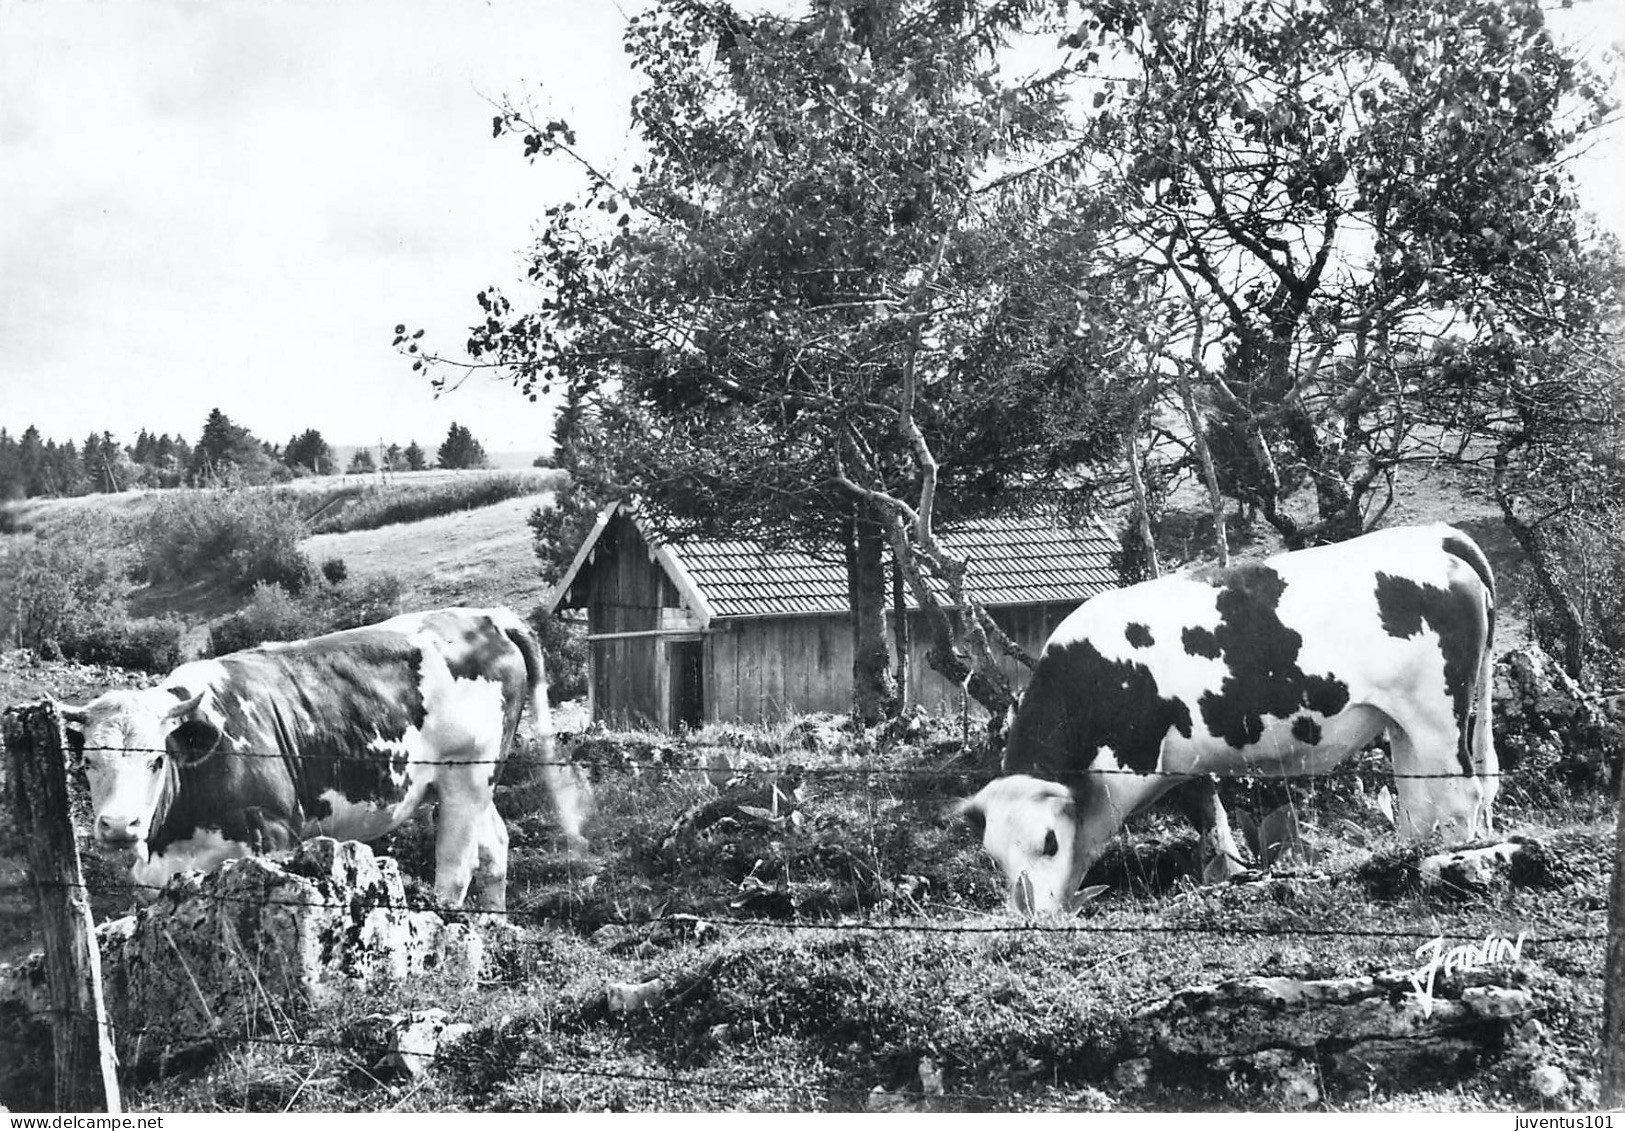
<point x="335" y="571"/>
<point x="145" y="645"/>
<point x="67" y="585"/>
<point x="272" y="613"/>
<point x="243" y="538"/>
<point x="564" y="655"/>
<point x="352" y="604"/>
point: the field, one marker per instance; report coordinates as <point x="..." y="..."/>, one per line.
<point x="828" y="937"/>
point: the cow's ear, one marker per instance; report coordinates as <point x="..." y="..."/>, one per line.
<point x="194" y="740"/>
<point x="972" y="813"/>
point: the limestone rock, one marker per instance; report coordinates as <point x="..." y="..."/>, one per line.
<point x="1293" y="1038"/>
<point x="263" y="941"/>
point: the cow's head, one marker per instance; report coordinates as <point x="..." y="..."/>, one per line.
<point x="132" y="743"/>
<point x="1030" y="827"/>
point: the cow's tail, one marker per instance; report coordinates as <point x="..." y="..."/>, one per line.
<point x="568" y="784"/>
<point x="1481" y="742"/>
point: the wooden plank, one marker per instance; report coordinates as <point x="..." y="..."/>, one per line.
<point x="86" y="1079"/>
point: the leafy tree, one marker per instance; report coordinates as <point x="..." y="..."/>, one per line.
<point x="460" y="449"/>
<point x="415" y="458"/>
<point x="309" y="452"/>
<point x="1339" y="207"/>
<point x="361" y="463"/>
<point x="835" y="306"/>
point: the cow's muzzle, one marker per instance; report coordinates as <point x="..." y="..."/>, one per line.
<point x="119" y="832"/>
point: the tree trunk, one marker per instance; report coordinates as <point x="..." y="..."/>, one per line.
<point x="1142" y="506"/>
<point x="874" y="690"/>
<point x="1210" y="475"/>
<point x="901" y="632"/>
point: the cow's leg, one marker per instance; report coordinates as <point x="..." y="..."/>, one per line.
<point x="1485" y="760"/>
<point x="1217" y="855"/>
<point x="493" y="861"/>
<point x="1431" y="792"/>
<point x="457" y="849"/>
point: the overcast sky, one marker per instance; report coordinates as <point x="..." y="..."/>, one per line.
<point x="225" y="203"/>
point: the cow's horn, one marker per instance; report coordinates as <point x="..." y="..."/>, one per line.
<point x="185" y="707"/>
<point x="69" y="713"/>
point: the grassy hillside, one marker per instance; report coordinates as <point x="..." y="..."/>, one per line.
<point x="476" y="557"/>
<point x="442" y="540"/>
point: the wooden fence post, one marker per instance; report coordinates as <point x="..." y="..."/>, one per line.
<point x="1613" y="991"/>
<point x="85" y="1061"/>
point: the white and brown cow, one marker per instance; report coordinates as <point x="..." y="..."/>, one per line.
<point x="1282" y="667"/>
<point x="344" y="735"/>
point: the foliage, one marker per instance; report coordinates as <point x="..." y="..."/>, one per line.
<point x="335" y="571"/>
<point x="68" y="586"/>
<point x="460" y="449"/>
<point x="824" y="310"/>
<point x="564" y="655"/>
<point x="310" y="453"/>
<point x="272" y="613"/>
<point x="361" y="463"/>
<point x="559" y="529"/>
<point x="1586" y="563"/>
<point x="227" y="454"/>
<point x="1359" y="223"/>
<point x="242" y="538"/>
<point x="148" y="645"/>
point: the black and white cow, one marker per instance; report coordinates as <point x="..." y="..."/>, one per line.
<point x="1282" y="667"/>
<point x="343" y="735"/>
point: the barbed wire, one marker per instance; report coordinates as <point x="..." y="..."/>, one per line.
<point x="698" y="920"/>
<point x="797" y="768"/>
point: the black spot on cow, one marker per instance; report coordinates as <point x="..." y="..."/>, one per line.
<point x="482" y="652"/>
<point x="318" y="710"/>
<point x="1261" y="653"/>
<point x="1200" y="642"/>
<point x="1079" y="702"/>
<point x="1306" y="730"/>
<point x="1452" y="612"/>
<point x="1138" y="635"/>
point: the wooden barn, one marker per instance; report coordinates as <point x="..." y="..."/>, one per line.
<point x="730" y="631"/>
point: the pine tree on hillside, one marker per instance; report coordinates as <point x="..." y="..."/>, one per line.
<point x="460" y="449"/>
<point x="11" y="477"/>
<point x="361" y="463"/>
<point x="227" y="452"/>
<point x="416" y="458"/>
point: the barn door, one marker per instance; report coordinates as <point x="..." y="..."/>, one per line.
<point x="687" y="683"/>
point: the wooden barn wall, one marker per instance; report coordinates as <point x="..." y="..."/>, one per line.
<point x="628" y="590"/>
<point x="1028" y="625"/>
<point x="762" y="670"/>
